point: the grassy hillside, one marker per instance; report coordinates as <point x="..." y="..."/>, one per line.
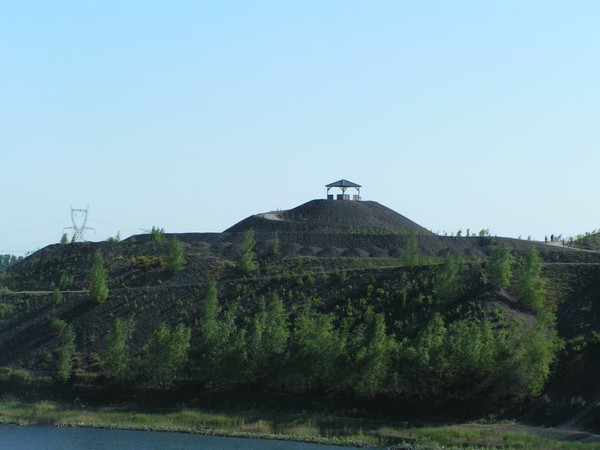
<point x="381" y="319"/>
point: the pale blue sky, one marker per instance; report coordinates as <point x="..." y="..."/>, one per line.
<point x="193" y="115"/>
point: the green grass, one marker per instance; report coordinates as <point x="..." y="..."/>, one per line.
<point x="299" y="426"/>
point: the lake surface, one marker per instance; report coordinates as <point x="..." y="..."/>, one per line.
<point x="53" y="438"/>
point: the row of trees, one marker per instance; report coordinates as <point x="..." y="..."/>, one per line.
<point x="529" y="286"/>
<point x="308" y="351"/>
<point x="8" y="260"/>
<point x="162" y="357"/>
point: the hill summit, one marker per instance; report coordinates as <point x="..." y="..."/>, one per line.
<point x="331" y="216"/>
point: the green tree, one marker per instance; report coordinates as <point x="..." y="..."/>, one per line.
<point x="65" y="350"/>
<point x="64" y="239"/>
<point x="470" y="351"/>
<point x="209" y="315"/>
<point x="217" y="335"/>
<point x="175" y="260"/>
<point x="247" y="262"/>
<point x="8" y="260"/>
<point x="424" y="361"/>
<point x="115" y="238"/>
<point x="368" y="353"/>
<point x="235" y="367"/>
<point x="448" y="282"/>
<point x="267" y="341"/>
<point x="499" y="267"/>
<point x="315" y="349"/>
<point x="58" y="296"/>
<point x="276" y="244"/>
<point x="531" y="289"/>
<point x="116" y="358"/>
<point x="99" y="290"/>
<point x="411" y="249"/>
<point x="277" y="330"/>
<point x="158" y="234"/>
<point x="167" y="352"/>
<point x="525" y="357"/>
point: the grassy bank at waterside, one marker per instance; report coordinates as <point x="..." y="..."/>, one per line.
<point x="301" y="426"/>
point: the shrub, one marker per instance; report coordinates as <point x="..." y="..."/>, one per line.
<point x="247" y="262"/>
<point x="499" y="267"/>
<point x="5" y="373"/>
<point x="99" y="288"/>
<point x="20" y="376"/>
<point x="168" y="351"/>
<point x="116" y="238"/>
<point x="158" y="234"/>
<point x="448" y="282"/>
<point x="411" y="249"/>
<point x="59" y="325"/>
<point x="65" y="354"/>
<point x="275" y="245"/>
<point x="116" y="358"/>
<point x="175" y="259"/>
<point x="5" y="310"/>
<point x="146" y="262"/>
<point x="531" y="287"/>
<point x="58" y="296"/>
<point x="66" y="281"/>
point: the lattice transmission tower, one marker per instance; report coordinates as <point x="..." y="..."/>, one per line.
<point x="79" y="216"/>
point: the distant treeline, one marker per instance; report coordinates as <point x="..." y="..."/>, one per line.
<point x="7" y="260"/>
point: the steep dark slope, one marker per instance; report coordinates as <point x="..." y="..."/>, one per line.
<point x="332" y="216"/>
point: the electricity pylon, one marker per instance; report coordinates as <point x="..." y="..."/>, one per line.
<point x="79" y="230"/>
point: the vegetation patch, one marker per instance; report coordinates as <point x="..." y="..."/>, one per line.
<point x="321" y="428"/>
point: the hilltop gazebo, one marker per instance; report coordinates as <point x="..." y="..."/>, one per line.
<point x="343" y="185"/>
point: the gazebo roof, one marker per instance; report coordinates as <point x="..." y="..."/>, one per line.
<point x="343" y="184"/>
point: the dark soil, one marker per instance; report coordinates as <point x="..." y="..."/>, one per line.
<point x="332" y="216"/>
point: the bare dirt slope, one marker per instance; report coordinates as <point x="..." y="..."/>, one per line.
<point x="332" y="215"/>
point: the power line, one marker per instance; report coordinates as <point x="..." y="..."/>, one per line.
<point x="29" y="230"/>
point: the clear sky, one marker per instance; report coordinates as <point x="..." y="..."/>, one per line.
<point x="192" y="115"/>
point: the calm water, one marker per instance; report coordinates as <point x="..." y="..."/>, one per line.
<point x="51" y="438"/>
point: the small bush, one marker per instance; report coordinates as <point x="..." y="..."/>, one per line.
<point x="66" y="282"/>
<point x="175" y="261"/>
<point x="6" y="310"/>
<point x="58" y="296"/>
<point x="499" y="267"/>
<point x="116" y="238"/>
<point x="158" y="234"/>
<point x="146" y="262"/>
<point x="20" y="376"/>
<point x="5" y="373"/>
<point x="247" y="262"/>
<point x="98" y="279"/>
<point x="58" y="324"/>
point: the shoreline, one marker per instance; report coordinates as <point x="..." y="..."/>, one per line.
<point x="300" y="428"/>
<point x="109" y="418"/>
<point x="215" y="433"/>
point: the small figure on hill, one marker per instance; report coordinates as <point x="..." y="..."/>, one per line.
<point x="546" y="239"/>
<point x="551" y="238"/>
